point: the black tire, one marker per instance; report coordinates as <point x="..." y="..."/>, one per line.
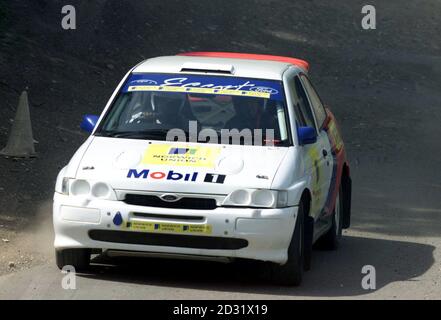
<point x="331" y="239"/>
<point x="290" y="274"/>
<point x="347" y="195"/>
<point x="307" y="247"/>
<point x="78" y="258"/>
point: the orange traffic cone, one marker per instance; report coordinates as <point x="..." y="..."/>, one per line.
<point x="21" y="142"/>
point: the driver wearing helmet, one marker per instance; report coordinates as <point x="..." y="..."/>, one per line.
<point x="168" y="107"/>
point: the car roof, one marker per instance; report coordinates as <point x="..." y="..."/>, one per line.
<point x="227" y="64"/>
<point x="249" y="56"/>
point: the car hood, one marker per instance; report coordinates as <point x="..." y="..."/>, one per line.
<point x="145" y="165"/>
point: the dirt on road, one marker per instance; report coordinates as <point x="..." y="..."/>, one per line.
<point x="383" y="86"/>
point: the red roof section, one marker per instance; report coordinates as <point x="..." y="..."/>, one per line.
<point x="249" y="56"/>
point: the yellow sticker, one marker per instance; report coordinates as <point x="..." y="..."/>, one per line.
<point x="256" y="94"/>
<point x="317" y="177"/>
<point x="170" y="227"/>
<point x="335" y="136"/>
<point x="189" y="156"/>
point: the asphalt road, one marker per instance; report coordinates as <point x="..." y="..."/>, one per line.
<point x="383" y="85"/>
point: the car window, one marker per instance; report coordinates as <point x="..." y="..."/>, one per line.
<point x="153" y="104"/>
<point x="319" y="110"/>
<point x="301" y="105"/>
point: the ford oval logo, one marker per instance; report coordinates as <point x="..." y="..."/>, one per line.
<point x="264" y="90"/>
<point x="169" y="197"/>
<point x="144" y="82"/>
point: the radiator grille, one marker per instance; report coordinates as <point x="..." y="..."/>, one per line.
<point x="183" y="203"/>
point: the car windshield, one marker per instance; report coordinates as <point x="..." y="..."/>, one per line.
<point x="199" y="108"/>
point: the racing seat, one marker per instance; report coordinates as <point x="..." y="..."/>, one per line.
<point x="246" y="116"/>
<point x="270" y="120"/>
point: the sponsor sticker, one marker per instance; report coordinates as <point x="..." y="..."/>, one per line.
<point x="214" y="178"/>
<point x="173" y="175"/>
<point x="216" y="85"/>
<point x="160" y="175"/>
<point x="317" y="175"/>
<point x="170" y="227"/>
<point x="335" y="136"/>
<point x="251" y="93"/>
<point x="164" y="154"/>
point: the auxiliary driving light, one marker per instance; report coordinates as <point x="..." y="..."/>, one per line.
<point x="80" y="188"/>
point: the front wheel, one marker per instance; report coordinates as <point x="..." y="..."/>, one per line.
<point x="78" y="258"/>
<point x="292" y="271"/>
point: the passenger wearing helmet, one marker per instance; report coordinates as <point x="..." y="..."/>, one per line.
<point x="247" y="113"/>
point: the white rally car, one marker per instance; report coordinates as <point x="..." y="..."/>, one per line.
<point x="207" y="155"/>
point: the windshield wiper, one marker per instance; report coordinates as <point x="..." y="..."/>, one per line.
<point x="145" y="134"/>
<point x="154" y="134"/>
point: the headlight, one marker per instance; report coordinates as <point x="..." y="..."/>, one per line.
<point x="240" y="197"/>
<point x="100" y="190"/>
<point x="65" y="186"/>
<point x="282" y="199"/>
<point x="264" y="198"/>
<point x="260" y="198"/>
<point x="85" y="189"/>
<point x="62" y="182"/>
<point x="80" y="188"/>
<point x="62" y="185"/>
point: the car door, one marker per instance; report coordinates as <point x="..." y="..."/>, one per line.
<point x="315" y="155"/>
<point x="323" y="143"/>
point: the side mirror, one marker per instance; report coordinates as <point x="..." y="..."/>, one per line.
<point x="307" y="135"/>
<point x="89" y="122"/>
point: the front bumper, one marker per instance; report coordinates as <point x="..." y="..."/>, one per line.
<point x="260" y="234"/>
